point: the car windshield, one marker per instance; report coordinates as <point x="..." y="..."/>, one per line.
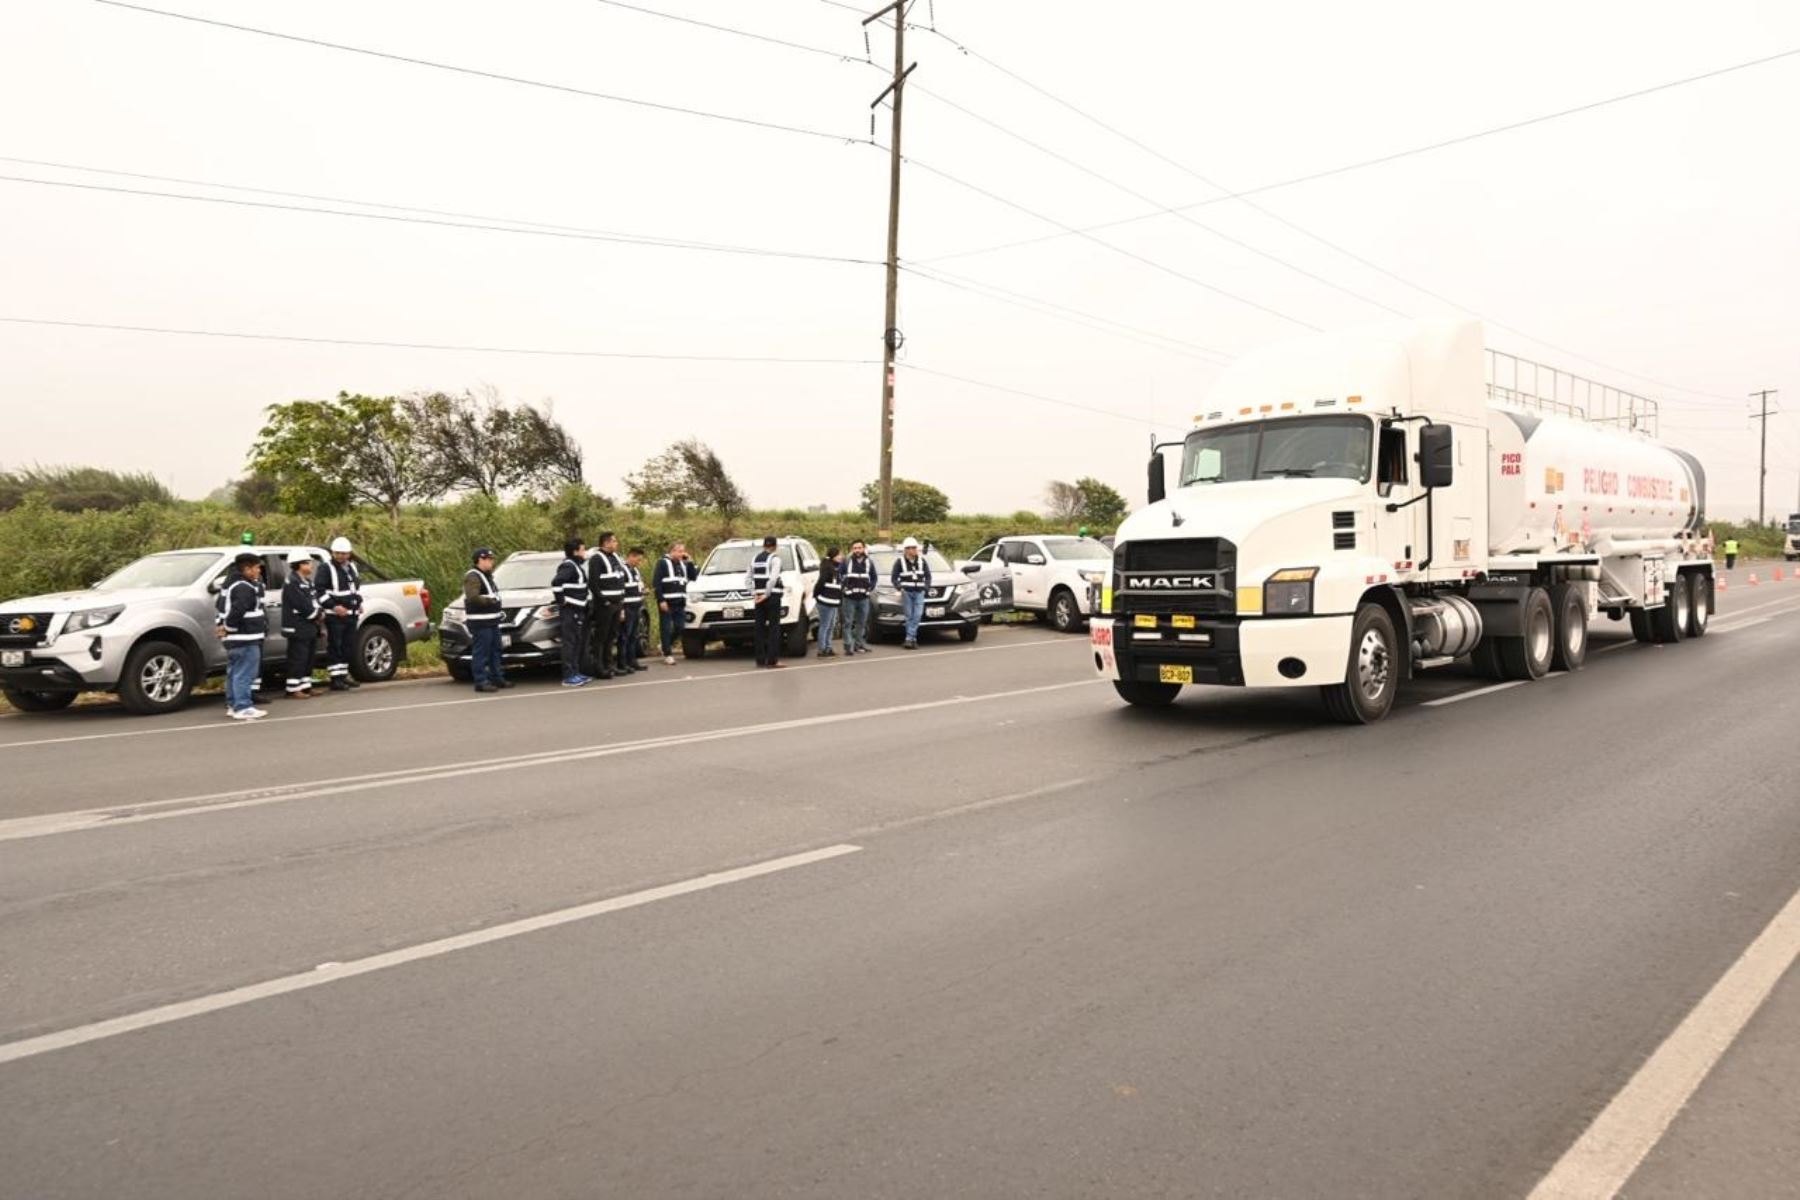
<point x="884" y="561"/>
<point x="1287" y="448"/>
<point x="159" y="571"/>
<point x="1075" y="549"/>
<point x="519" y="574"/>
<point x="735" y="560"/>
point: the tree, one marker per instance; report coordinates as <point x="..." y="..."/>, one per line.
<point x="256" y="493"/>
<point x="476" y="442"/>
<point x="78" y="489"/>
<point x="1062" y="502"/>
<point x="330" y="454"/>
<point x="686" y="475"/>
<point x="915" y="503"/>
<point x="1101" y="506"/>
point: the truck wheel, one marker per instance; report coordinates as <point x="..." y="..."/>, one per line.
<point x="158" y="678"/>
<point x="969" y="633"/>
<point x="459" y="671"/>
<point x="1640" y="625"/>
<point x="1372" y="677"/>
<point x="1063" y="614"/>
<point x="793" y="639"/>
<point x="693" y="645"/>
<point x="1146" y="695"/>
<point x="1669" y="623"/>
<point x="378" y="654"/>
<point x="1570" y="607"/>
<point x="1700" y="591"/>
<point x="38" y="701"/>
<point x="1528" y="656"/>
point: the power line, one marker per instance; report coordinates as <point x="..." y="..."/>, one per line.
<point x="1012" y="391"/>
<point x="551" y="232"/>
<point x="743" y="33"/>
<point x="477" y="73"/>
<point x="440" y="346"/>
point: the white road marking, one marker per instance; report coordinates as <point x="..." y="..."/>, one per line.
<point x="51" y="824"/>
<point x="1604" y="1157"/>
<point x="1470" y="695"/>
<point x="1750" y="624"/>
<point x="599" y="689"/>
<point x="326" y="973"/>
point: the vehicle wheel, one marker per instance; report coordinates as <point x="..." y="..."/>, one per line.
<point x="378" y="653"/>
<point x="1146" y="695"/>
<point x="158" y="678"/>
<point x="38" y="701"/>
<point x="1372" y="677"/>
<point x="1640" y="625"/>
<point x="969" y="633"/>
<point x="1570" y="607"/>
<point x="1063" y="614"/>
<point x="1528" y="656"/>
<point x="693" y="645"/>
<point x="460" y="671"/>
<point x="1669" y="623"/>
<point x="794" y="640"/>
<point x="1700" y="594"/>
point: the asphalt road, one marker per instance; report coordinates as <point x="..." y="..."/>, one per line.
<point x="948" y="923"/>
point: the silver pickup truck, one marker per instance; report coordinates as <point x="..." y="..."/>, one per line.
<point x="146" y="631"/>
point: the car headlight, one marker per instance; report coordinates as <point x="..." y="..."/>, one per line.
<point x="453" y="616"/>
<point x="1289" y="592"/>
<point x="92" y="618"/>
<point x="1093" y="576"/>
<point x="547" y="613"/>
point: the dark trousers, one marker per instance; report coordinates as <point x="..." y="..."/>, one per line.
<point x="574" y="639"/>
<point x="672" y="624"/>
<point x="302" y="649"/>
<point x="768" y="631"/>
<point x="603" y="637"/>
<point x="630" y="620"/>
<point x="340" y="642"/>
<point x="1730" y="561"/>
<point x="484" y="656"/>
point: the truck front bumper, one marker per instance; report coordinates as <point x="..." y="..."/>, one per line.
<point x="1233" y="651"/>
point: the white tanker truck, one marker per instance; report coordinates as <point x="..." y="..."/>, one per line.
<point x="1356" y="508"/>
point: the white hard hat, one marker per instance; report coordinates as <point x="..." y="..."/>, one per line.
<point x="910" y="543"/>
<point x="340" y="545"/>
<point x="298" y="557"/>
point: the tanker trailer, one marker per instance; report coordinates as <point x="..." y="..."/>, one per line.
<point x="1354" y="508"/>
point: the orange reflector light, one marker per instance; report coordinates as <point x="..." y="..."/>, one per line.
<point x="1354" y="400"/>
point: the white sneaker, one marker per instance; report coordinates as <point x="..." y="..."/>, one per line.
<point x="236" y="714"/>
<point x="668" y="660"/>
<point x="254" y="714"/>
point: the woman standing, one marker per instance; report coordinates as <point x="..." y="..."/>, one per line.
<point x="829" y="594"/>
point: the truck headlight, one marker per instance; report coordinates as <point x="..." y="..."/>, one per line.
<point x="1289" y="592"/>
<point x="92" y="618"/>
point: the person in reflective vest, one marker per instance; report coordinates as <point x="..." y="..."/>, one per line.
<point x="302" y="618"/>
<point x="1731" y="553"/>
<point x="631" y="617"/>
<point x="674" y="571"/>
<point x="571" y="587"/>
<point x="858" y="578"/>
<point x="340" y="590"/>
<point x="912" y="576"/>
<point x="763" y="582"/>
<point x="606" y="584"/>
<point x="242" y="625"/>
<point x="484" y="612"/>
<point x="830" y="594"/>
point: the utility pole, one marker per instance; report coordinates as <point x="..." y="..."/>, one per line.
<point x="891" y="338"/>
<point x="1762" y="476"/>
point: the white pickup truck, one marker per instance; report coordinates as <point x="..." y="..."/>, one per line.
<point x="146" y="631"/>
<point x="1053" y="574"/>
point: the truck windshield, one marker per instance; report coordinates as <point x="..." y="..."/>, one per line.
<point x="160" y="571"/>
<point x="1285" y="448"/>
<point x="1794" y="524"/>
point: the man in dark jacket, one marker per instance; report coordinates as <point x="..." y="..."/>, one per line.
<point x="674" y="571"/>
<point x="302" y="617"/>
<point x="571" y="588"/>
<point x="912" y="576"/>
<point x="631" y="615"/>
<point x="484" y="612"/>
<point x="242" y="625"/>
<point x="764" y="583"/>
<point x="858" y="576"/>
<point x="606" y="592"/>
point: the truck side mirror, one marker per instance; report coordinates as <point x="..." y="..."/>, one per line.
<point x="1437" y="456"/>
<point x="1159" y="487"/>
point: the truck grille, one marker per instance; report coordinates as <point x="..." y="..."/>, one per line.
<point x="24" y="629"/>
<point x="1180" y="575"/>
<point x="1177" y="554"/>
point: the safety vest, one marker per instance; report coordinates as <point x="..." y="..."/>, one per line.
<point x="634" y="586"/>
<point x="858" y="577"/>
<point x="340" y="585"/>
<point x="830" y="592"/>
<point x="1731" y="546"/>
<point x="765" y="573"/>
<point x="299" y="604"/>
<point x="911" y="575"/>
<point x="571" y="585"/>
<point x="241" y="612"/>
<point x="607" y="574"/>
<point x="671" y="580"/>
<point x="487" y="589"/>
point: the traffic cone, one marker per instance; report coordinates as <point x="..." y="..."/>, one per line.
<point x="1719" y="583"/>
<point x="1778" y="575"/>
<point x="1753" y="579"/>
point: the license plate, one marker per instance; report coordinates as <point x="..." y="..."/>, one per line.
<point x="1144" y="621"/>
<point x="935" y="612"/>
<point x="734" y="614"/>
<point x="12" y="658"/>
<point x="1182" y="622"/>
<point x="1170" y="673"/>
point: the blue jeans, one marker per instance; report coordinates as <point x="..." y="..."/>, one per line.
<point x="670" y="625"/>
<point x="913" y="605"/>
<point x="484" y="655"/>
<point x="856" y="622"/>
<point x="631" y="619"/>
<point x="828" y="615"/>
<point x="243" y="664"/>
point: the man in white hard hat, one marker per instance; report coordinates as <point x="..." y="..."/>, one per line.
<point x="340" y="590"/>
<point x="912" y="576"/>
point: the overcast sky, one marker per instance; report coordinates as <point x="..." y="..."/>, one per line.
<point x="1659" y="236"/>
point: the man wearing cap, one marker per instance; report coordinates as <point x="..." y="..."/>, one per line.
<point x="242" y="625"/>
<point x="301" y="617"/>
<point x="340" y="589"/>
<point x="912" y="576"/>
<point x="484" y="612"/>
<point x="763" y="582"/>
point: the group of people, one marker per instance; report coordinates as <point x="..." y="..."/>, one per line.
<point x="325" y="606"/>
